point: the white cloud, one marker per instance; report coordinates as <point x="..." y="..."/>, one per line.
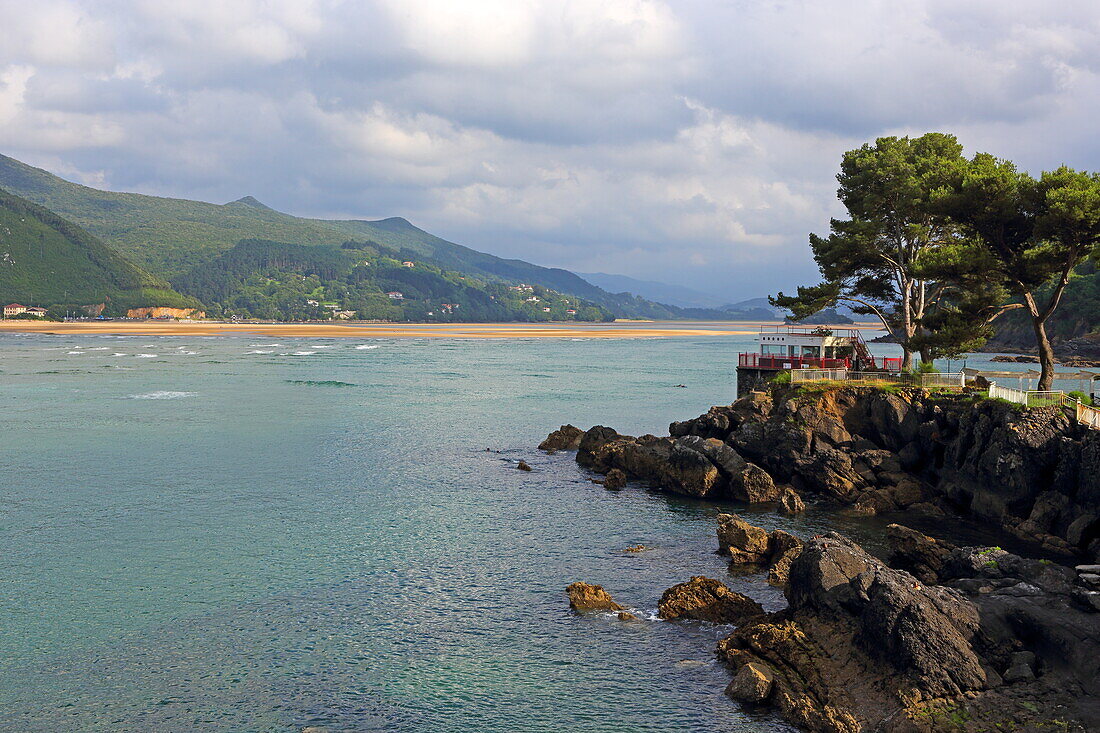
<point x="693" y="141"/>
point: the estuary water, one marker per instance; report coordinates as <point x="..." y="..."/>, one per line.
<point x="251" y="534"/>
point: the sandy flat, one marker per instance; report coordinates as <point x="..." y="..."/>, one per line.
<point x="386" y="330"/>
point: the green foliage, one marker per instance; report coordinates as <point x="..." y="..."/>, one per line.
<point x="890" y="259"/>
<point x="1080" y="397"/>
<point x="292" y="282"/>
<point x="48" y="261"/>
<point x="782" y="378"/>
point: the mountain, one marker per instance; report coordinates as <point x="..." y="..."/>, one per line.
<point x="677" y="295"/>
<point x="170" y="236"/>
<point x="280" y="281"/>
<point x="46" y="260"/>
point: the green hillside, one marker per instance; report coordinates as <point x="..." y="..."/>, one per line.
<point x="48" y="261"/>
<point x="291" y="282"/>
<point x="173" y="236"/>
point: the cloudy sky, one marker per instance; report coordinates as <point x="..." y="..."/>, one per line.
<point x="693" y="142"/>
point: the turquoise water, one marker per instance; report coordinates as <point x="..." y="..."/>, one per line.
<point x="244" y="534"/>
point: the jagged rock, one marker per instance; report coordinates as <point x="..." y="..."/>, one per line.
<point x="1018" y="673"/>
<point x="783" y="549"/>
<point x="587" y="597"/>
<point x="567" y="437"/>
<point x="615" y="479"/>
<point x="752" y="683"/>
<point x="743" y="542"/>
<point x="859" y="639"/>
<point x="524" y="466"/>
<point x="706" y="599"/>
<point x="916" y="553"/>
<point x="593" y="441"/>
<point x="790" y="502"/>
<point x="754" y="485"/>
<point x="626" y="616"/>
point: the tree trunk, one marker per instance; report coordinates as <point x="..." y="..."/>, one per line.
<point x="906" y="357"/>
<point x="1046" y="354"/>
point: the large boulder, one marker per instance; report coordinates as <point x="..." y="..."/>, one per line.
<point x="790" y="502"/>
<point x="916" y="553"/>
<point x="743" y="542"/>
<point x="592" y="443"/>
<point x="567" y="437"/>
<point x="860" y="642"/>
<point x="752" y="683"/>
<point x="706" y="599"/>
<point x="587" y="597"/>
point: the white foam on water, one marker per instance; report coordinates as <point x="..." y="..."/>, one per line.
<point x="259" y="351"/>
<point x="76" y="352"/>
<point x="266" y="346"/>
<point x="119" y="354"/>
<point x="145" y="356"/>
<point x="368" y="346"/>
<point x="329" y="346"/>
<point x="99" y="348"/>
<point x="162" y="395"/>
<point x="303" y="353"/>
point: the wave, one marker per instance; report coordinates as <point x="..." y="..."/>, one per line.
<point x="302" y="353"/>
<point x="145" y="356"/>
<point x="259" y="351"/>
<point x="76" y="352"/>
<point x="361" y="347"/>
<point x="162" y="395"/>
<point x="321" y="383"/>
<point x="266" y="346"/>
<point x="119" y="354"/>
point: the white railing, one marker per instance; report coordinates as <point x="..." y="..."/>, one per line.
<point x="818" y="375"/>
<point x="1086" y="415"/>
<point x="998" y="392"/>
<point x="954" y="379"/>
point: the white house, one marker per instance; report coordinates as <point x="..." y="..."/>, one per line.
<point x="14" y="310"/>
<point x="395" y="295"/>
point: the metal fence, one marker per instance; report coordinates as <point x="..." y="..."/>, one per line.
<point x="818" y="375"/>
<point x="1086" y="415"/>
<point x="954" y="379"/>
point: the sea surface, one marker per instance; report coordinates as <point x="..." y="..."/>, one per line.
<point x="251" y="534"/>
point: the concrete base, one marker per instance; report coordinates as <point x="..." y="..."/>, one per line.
<point x="750" y="378"/>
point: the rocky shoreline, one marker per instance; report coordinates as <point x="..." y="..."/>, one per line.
<point x="933" y="637"/>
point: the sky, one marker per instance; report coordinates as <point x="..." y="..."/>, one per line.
<point x="691" y="142"/>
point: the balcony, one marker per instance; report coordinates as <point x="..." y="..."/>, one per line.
<point x="777" y="362"/>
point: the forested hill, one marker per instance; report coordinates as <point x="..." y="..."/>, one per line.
<point x="170" y="237"/>
<point x="1078" y="314"/>
<point x="360" y="280"/>
<point x="50" y="262"/>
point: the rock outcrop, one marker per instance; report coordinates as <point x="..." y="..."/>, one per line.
<point x="756" y="548"/>
<point x="567" y="437"/>
<point x="587" y="597"/>
<point x="863" y="646"/>
<point x="1034" y="472"/>
<point x="706" y="599"/>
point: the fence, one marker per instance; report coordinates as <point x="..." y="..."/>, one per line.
<point x="1086" y="415"/>
<point x="954" y="379"/>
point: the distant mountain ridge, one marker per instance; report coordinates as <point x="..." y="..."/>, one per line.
<point x="677" y="295"/>
<point x="169" y="236"/>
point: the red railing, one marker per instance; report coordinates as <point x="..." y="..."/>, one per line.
<point x="776" y="361"/>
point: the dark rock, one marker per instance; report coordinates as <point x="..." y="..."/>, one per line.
<point x="567" y="437"/>
<point x="1018" y="673"/>
<point x="592" y="442"/>
<point x="626" y="616"/>
<point x="706" y="599"/>
<point x="615" y="479"/>
<point x="790" y="502"/>
<point x="754" y="485"/>
<point x="586" y="597"/>
<point x="752" y="683"/>
<point x="743" y="542"/>
<point x="916" y="553"/>
<point x="524" y="466"/>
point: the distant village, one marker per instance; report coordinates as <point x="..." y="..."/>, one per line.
<point x="14" y="309"/>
